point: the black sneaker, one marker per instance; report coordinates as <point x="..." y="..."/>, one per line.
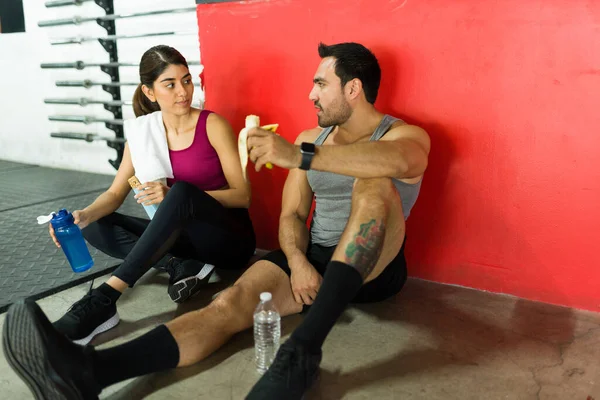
<point x="164" y="263"/>
<point x="93" y="314"/>
<point x="292" y="373"/>
<point x="52" y="366"/>
<point x="187" y="278"/>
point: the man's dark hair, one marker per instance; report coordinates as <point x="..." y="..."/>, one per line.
<point x="355" y="61"/>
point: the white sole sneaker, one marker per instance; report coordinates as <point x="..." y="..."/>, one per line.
<point x="185" y="288"/>
<point x="105" y="326"/>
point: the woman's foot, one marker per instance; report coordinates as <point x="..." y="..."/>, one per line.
<point x="187" y="278"/>
<point x="95" y="313"/>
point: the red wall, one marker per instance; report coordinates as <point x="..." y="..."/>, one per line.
<point x="509" y="92"/>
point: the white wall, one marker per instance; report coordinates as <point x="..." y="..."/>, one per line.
<point x="24" y="126"/>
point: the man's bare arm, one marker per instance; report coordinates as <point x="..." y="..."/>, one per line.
<point x="296" y="203"/>
<point x="401" y="153"/>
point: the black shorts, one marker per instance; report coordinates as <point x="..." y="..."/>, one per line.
<point x="388" y="283"/>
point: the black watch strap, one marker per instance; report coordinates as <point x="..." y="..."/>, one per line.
<point x="308" y="151"/>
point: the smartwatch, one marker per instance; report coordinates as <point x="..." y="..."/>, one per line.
<point x="308" y="151"/>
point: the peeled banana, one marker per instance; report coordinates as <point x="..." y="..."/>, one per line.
<point x="252" y="121"/>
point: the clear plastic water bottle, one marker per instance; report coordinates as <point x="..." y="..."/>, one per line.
<point x="267" y="331"/>
<point x="135" y="184"/>
<point x="71" y="241"/>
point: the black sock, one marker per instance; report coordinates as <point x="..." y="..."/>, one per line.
<point x="340" y="284"/>
<point x="110" y="292"/>
<point x="154" y="351"/>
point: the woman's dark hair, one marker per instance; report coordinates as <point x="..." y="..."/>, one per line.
<point x="353" y="60"/>
<point x="154" y="62"/>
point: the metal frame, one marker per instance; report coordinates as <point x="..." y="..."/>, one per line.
<point x="88" y="84"/>
<point x="83" y="64"/>
<point x="114" y="106"/>
<point x="115" y="91"/>
<point x="115" y="125"/>
<point x="85" y="119"/>
<point x="104" y="40"/>
<point x="216" y="1"/>
<point x="62" y="3"/>
<point x="109" y="43"/>
<point x="76" y="20"/>
<point x="112" y="69"/>
<point x="88" y="137"/>
<point x="82" y="101"/>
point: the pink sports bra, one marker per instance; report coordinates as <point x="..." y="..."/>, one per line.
<point x="198" y="164"/>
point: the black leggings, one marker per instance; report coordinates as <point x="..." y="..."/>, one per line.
<point x="189" y="224"/>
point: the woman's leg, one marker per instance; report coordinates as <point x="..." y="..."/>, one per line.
<point x="190" y="214"/>
<point x="115" y="234"/>
<point x="185" y="206"/>
<point x="228" y="246"/>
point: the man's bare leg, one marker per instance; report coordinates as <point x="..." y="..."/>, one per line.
<point x="199" y="333"/>
<point x="51" y="364"/>
<point x="375" y="230"/>
<point x="371" y="240"/>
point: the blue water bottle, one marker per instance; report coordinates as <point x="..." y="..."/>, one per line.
<point x="71" y="241"/>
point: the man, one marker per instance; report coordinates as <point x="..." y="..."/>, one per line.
<point x="364" y="169"/>
<point x="366" y="173"/>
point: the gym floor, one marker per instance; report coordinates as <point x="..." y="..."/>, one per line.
<point x="432" y="341"/>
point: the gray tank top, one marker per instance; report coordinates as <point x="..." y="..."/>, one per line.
<point x="333" y="194"/>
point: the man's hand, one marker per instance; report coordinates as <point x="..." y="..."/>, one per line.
<point x="266" y="146"/>
<point x="80" y="219"/>
<point x="151" y="193"/>
<point x="306" y="281"/>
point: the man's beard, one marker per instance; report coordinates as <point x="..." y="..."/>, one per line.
<point x="337" y="114"/>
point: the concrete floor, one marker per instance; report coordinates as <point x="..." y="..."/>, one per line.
<point x="430" y="342"/>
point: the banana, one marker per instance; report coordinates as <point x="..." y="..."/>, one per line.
<point x="271" y="127"/>
<point x="252" y="121"/>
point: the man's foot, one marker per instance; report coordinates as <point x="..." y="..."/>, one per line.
<point x="93" y="314"/>
<point x="52" y="366"/>
<point x="293" y="372"/>
<point x="187" y="278"/>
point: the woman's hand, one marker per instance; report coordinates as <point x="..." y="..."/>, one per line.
<point x="151" y="193"/>
<point x="80" y="218"/>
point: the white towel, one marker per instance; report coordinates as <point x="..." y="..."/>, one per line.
<point x="148" y="146"/>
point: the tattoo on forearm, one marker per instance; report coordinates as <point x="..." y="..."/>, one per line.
<point x="364" y="250"/>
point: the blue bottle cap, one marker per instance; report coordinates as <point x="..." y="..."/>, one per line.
<point x="62" y="218"/>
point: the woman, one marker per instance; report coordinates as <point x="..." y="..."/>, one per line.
<point x="203" y="210"/>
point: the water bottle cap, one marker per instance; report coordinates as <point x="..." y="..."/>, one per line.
<point x="265" y="296"/>
<point x="62" y="218"/>
<point x="44" y="219"/>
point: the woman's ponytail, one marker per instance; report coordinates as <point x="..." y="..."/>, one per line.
<point x="142" y="104"/>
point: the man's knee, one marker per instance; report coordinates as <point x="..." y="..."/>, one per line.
<point x="374" y="193"/>
<point x="231" y="303"/>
